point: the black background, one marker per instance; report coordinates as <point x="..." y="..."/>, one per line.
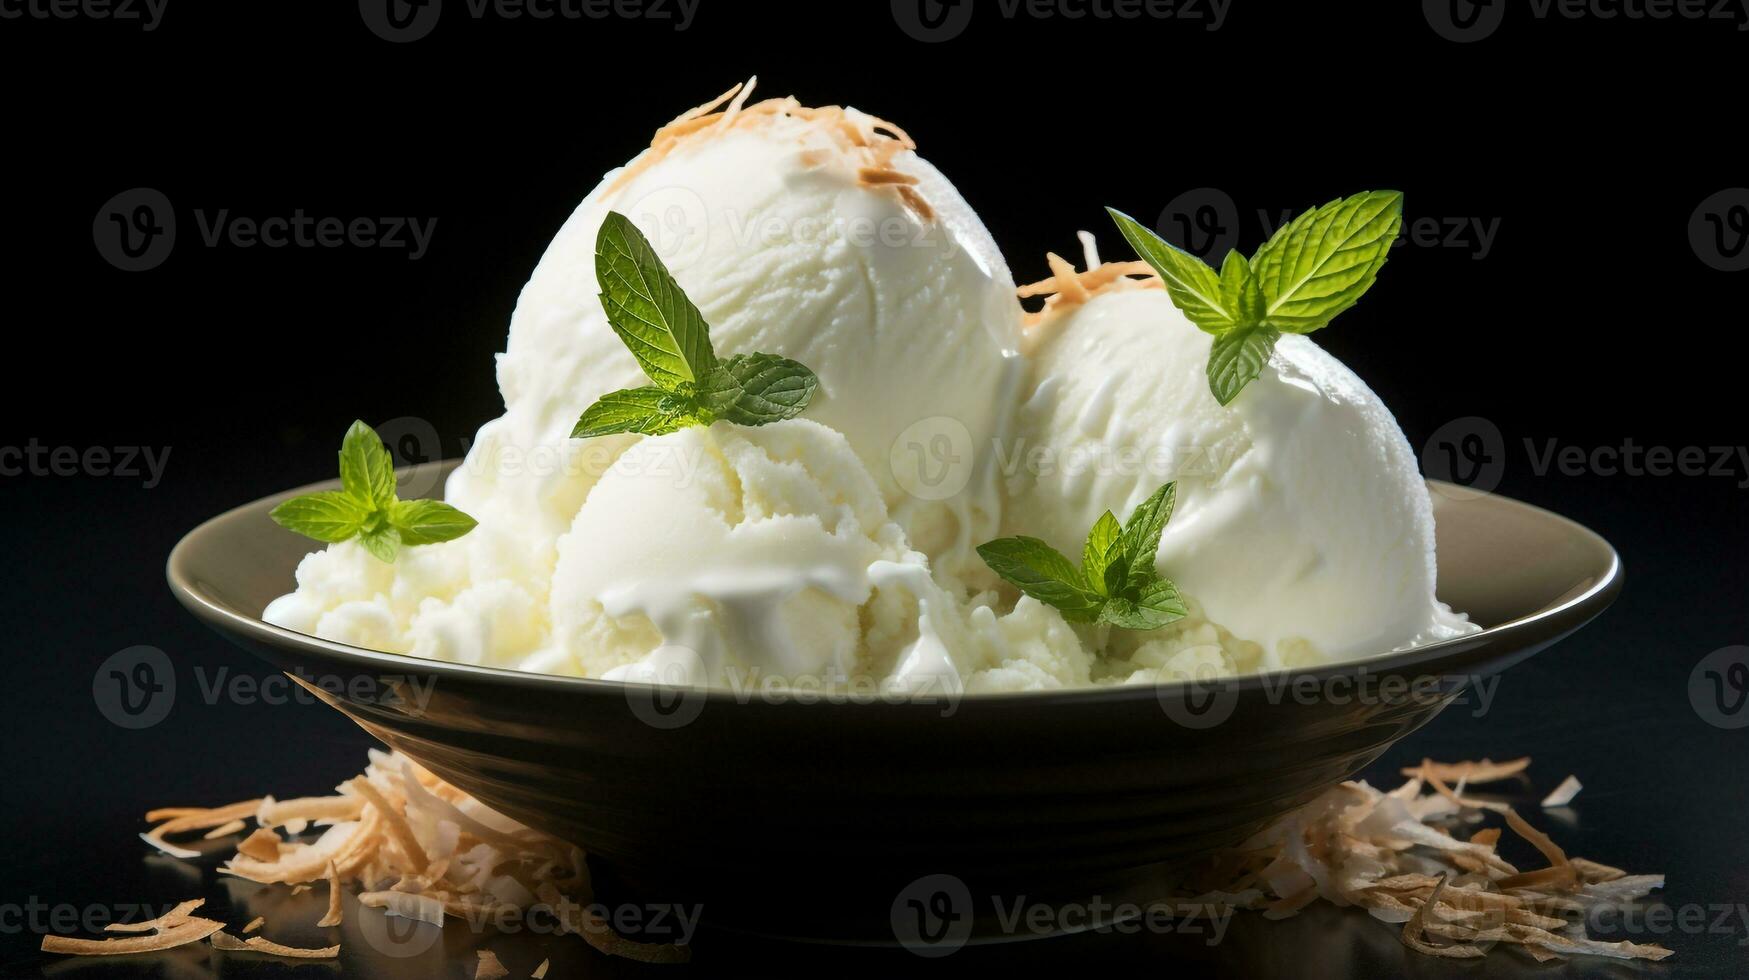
<point x="1592" y="320"/>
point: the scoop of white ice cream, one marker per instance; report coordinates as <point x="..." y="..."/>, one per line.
<point x="1302" y="523"/>
<point x="729" y="556"/>
<point x="781" y="225"/>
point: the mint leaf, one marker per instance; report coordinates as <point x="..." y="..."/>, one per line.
<point x="1040" y="571"/>
<point x="1141" y="534"/>
<point x="1156" y="605"/>
<point x="647" y="308"/>
<point x="1116" y="584"/>
<point x="366" y="469"/>
<point x="1320" y="263"/>
<point x="428" y="521"/>
<point x="649" y="411"/>
<point x="383" y="542"/>
<point x="1193" y="286"/>
<point x="329" y="515"/>
<point x="1237" y="358"/>
<point x="1102" y="557"/>
<point x="757" y="389"/>
<point x="1240" y="291"/>
<point x="367" y="508"/>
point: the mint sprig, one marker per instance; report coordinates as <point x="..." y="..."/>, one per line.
<point x="1313" y="268"/>
<point x="1116" y="583"/>
<point x="366" y="506"/>
<point x="669" y="338"/>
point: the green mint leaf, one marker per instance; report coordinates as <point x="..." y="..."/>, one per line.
<point x="1195" y="288"/>
<point x="1320" y="263"/>
<point x="1157" y="604"/>
<point x="758" y="389"/>
<point x="1237" y="358"/>
<point x="1102" y="562"/>
<point x="647" y="411"/>
<point x="428" y="521"/>
<point x="1240" y="291"/>
<point x="1040" y="571"/>
<point x="366" y="470"/>
<point x="330" y="515"/>
<point x="647" y="308"/>
<point x="1141" y="535"/>
<point x="382" y="541"/>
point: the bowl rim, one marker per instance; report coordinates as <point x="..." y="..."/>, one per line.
<point x="1577" y="608"/>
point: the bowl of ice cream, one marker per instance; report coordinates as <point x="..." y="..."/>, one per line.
<point x="759" y="587"/>
<point x="810" y="815"/>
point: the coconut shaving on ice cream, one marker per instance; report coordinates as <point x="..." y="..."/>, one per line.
<point x="774" y="412"/>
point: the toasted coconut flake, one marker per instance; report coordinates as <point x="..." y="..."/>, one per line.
<point x="263" y="846"/>
<point x="254" y="924"/>
<point x="224" y="830"/>
<point x="256" y="944"/>
<point x="407" y="905"/>
<point x="1563" y="794"/>
<point x="1414" y="929"/>
<point x="334" y="916"/>
<point x="168" y="920"/>
<point x="189" y="930"/>
<point x="1485" y="771"/>
<point x="399" y="830"/>
<point x="540" y="972"/>
<point x="169" y="848"/>
<point x="915" y="202"/>
<point x="330" y="809"/>
<point x="489" y="967"/>
<point x="875" y="176"/>
<point x="595" y="931"/>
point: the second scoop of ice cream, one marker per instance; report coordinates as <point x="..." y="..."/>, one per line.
<point x="728" y="554"/>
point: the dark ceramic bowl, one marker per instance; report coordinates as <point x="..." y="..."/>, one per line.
<point x="878" y="821"/>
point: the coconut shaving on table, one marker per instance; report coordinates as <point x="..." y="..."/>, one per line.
<point x="418" y="847"/>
